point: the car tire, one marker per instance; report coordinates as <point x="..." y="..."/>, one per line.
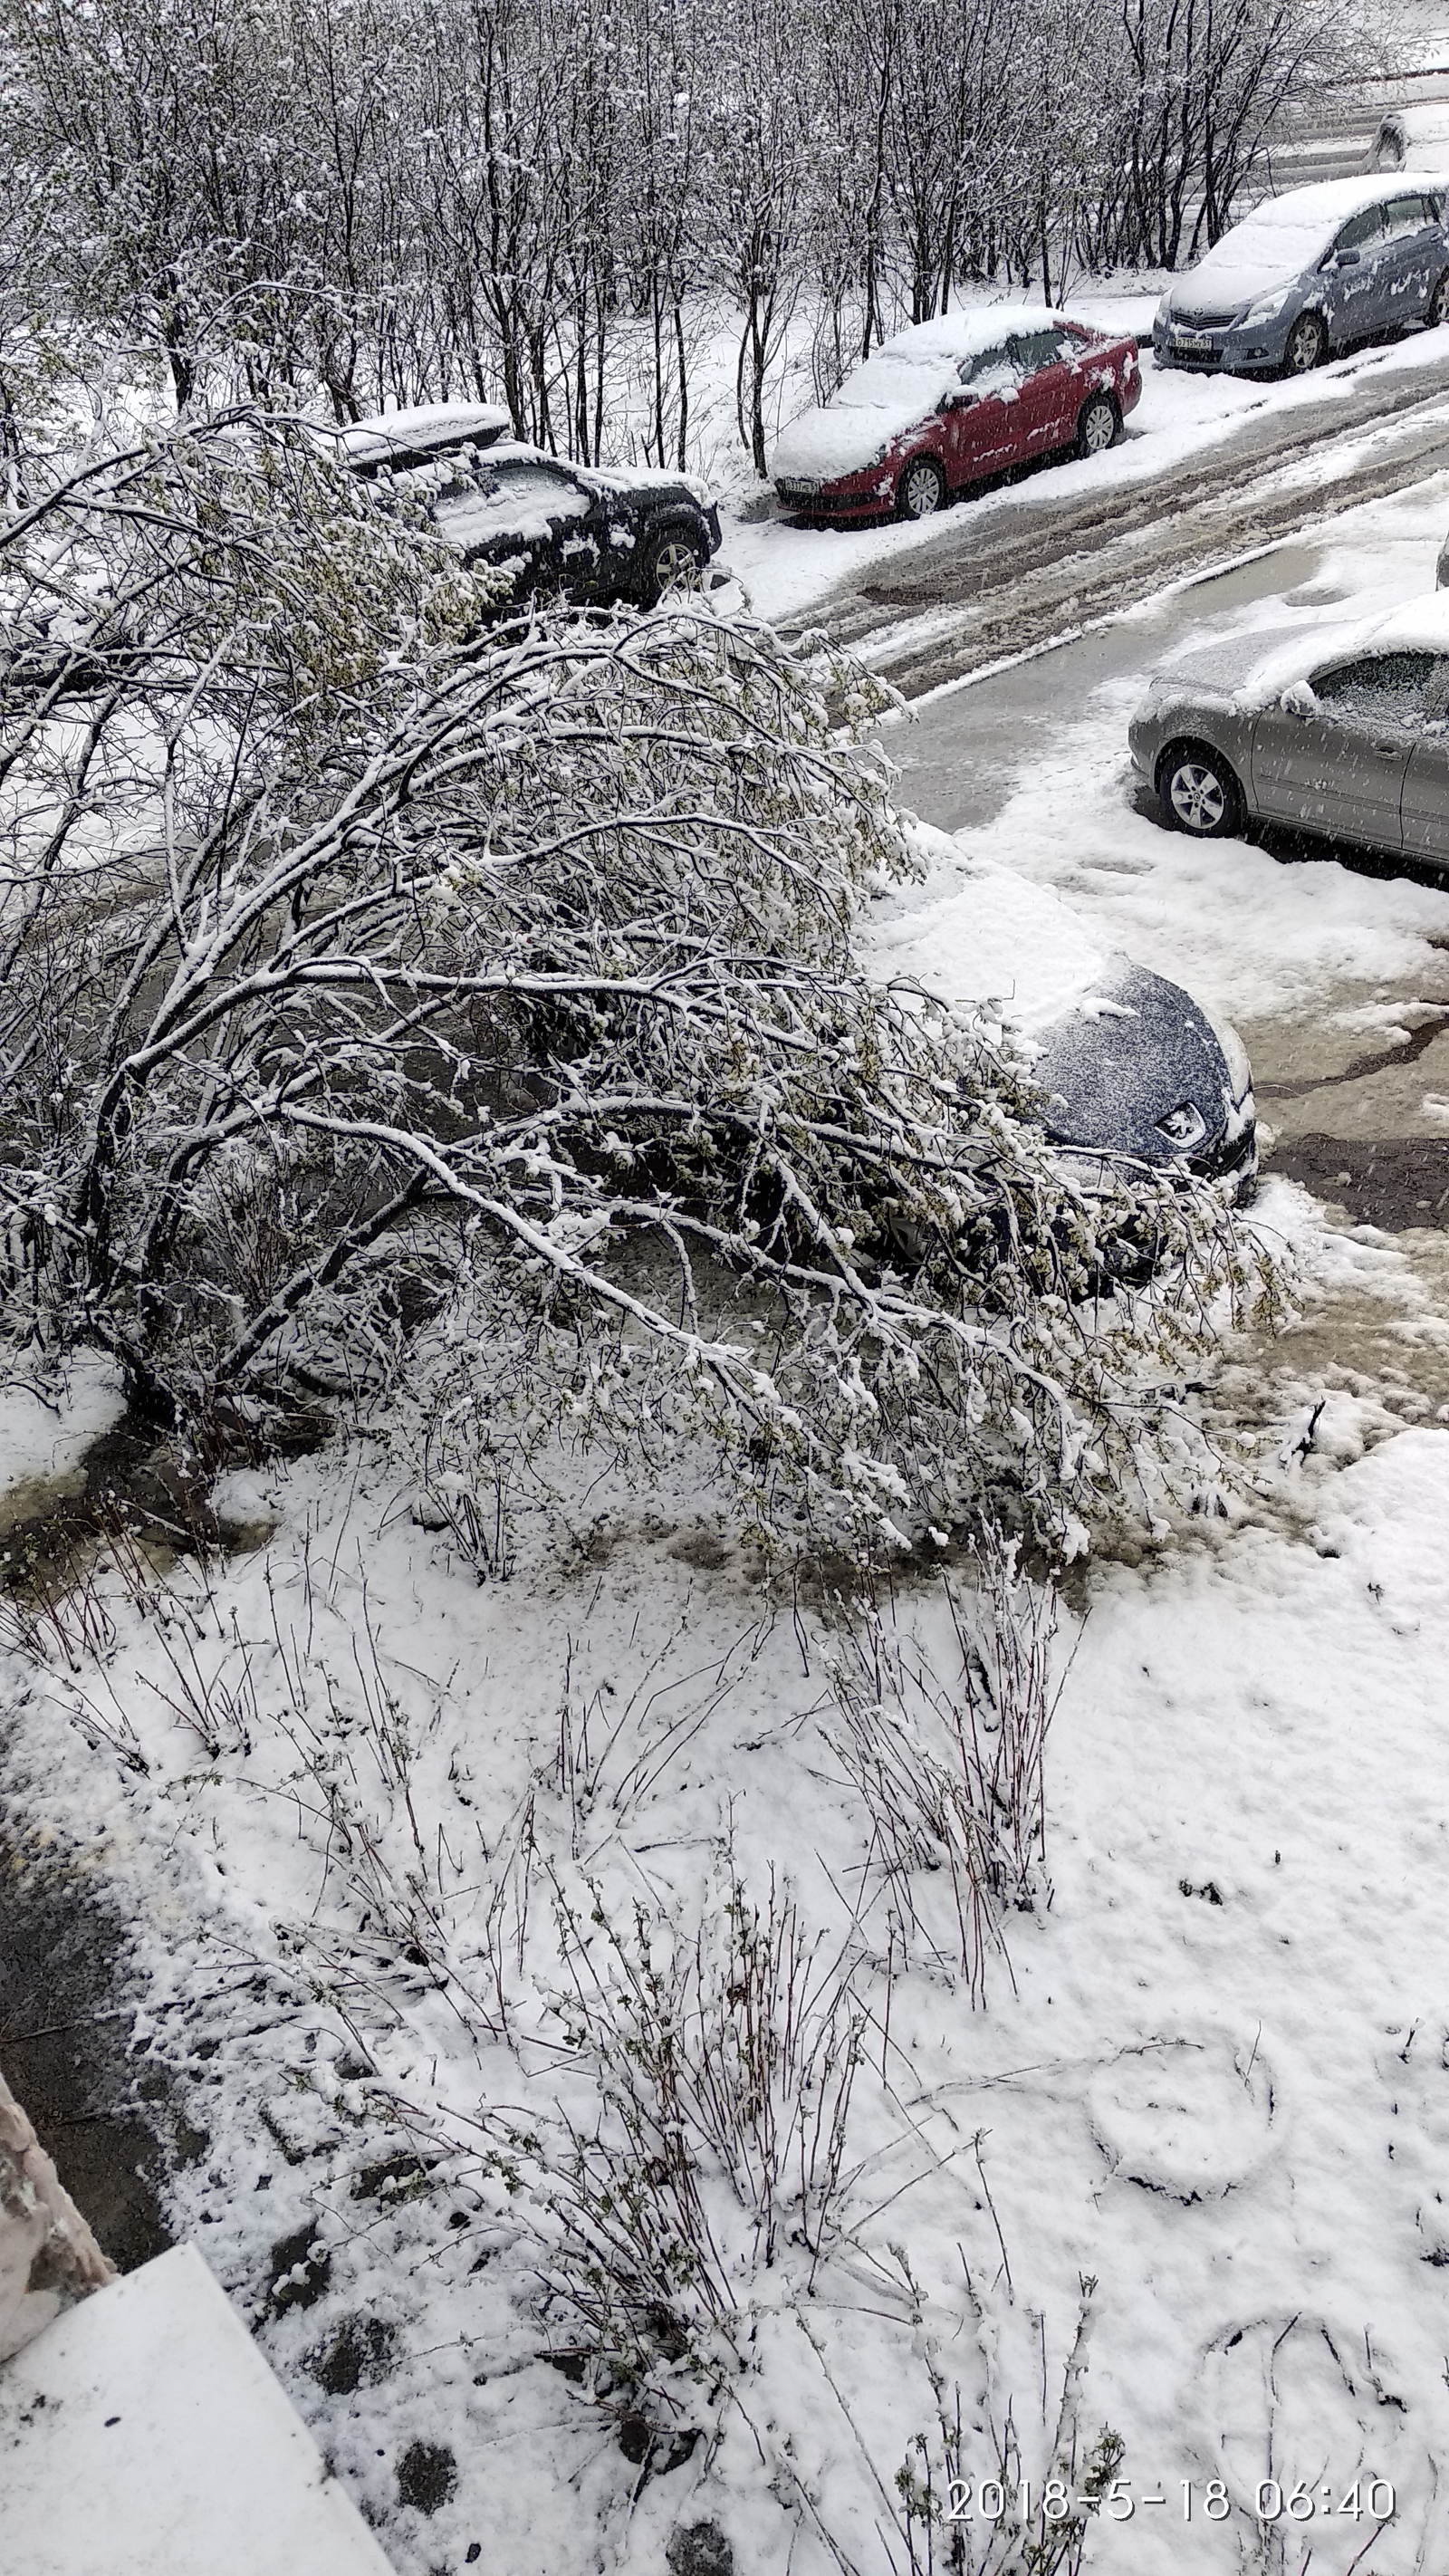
<point x="1437" y="308"/>
<point x="673" y="561"/>
<point x="921" y="490"/>
<point x="1200" y="792"/>
<point x="1099" y="425"/>
<point x="1306" y="346"/>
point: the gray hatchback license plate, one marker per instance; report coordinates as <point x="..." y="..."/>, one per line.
<point x="1193" y="340"/>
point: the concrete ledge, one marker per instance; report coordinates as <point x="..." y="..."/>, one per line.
<point x="143" y="2434"/>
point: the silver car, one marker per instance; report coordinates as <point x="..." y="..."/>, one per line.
<point x="1307" y="273"/>
<point x="1348" y="737"/>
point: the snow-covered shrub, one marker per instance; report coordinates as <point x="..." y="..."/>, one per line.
<point x="363" y="970"/>
<point x="724" y="2067"/>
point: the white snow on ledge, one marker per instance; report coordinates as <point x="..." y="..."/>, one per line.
<point x="144" y="2435"/>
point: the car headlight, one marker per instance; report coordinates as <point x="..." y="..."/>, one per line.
<point x="1266" y="308"/>
<point x="1164" y="311"/>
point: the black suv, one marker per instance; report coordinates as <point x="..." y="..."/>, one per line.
<point x="595" y="533"/>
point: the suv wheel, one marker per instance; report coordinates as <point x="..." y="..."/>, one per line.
<point x="673" y="562"/>
<point x="921" y="490"/>
<point x="1200" y="791"/>
<point x="1306" y="346"/>
<point x="1097" y="426"/>
<point x="1438" y="307"/>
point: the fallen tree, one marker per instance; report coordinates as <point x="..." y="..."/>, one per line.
<point x="362" y="964"/>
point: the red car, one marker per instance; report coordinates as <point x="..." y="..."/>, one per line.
<point x="951" y="403"/>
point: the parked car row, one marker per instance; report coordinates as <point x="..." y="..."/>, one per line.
<point x="944" y="407"/>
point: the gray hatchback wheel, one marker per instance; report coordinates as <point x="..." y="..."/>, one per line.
<point x="922" y="489"/>
<point x="1306" y="346"/>
<point x="1438" y="309"/>
<point x="1201" y="793"/>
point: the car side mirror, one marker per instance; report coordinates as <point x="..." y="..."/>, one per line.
<point x="960" y="400"/>
<point x="1298" y="700"/>
<point x="1346" y="259"/>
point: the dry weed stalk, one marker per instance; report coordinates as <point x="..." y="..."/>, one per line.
<point x="951" y="1773"/>
<point x="724" y="2065"/>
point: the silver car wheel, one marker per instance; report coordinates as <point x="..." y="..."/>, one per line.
<point x="1198" y="797"/>
<point x="921" y="491"/>
<point x="1099" y="428"/>
<point x="1439" y="303"/>
<point x="677" y="565"/>
<point x="1307" y="345"/>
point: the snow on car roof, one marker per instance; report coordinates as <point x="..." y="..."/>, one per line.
<point x="1284" y="235"/>
<point x="1253" y="678"/>
<point x="901" y="384"/>
<point x="425" y="425"/>
<point x="1418" y="124"/>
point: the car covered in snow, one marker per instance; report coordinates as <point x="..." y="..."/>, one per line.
<point x="1308" y="273"/>
<point x="1344" y="733"/>
<point x="1130" y="1068"/>
<point x="594" y="534"/>
<point x="392" y="441"/>
<point x="1412" y="138"/>
<point x="950" y="403"/>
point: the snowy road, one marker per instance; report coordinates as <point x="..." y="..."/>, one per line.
<point x="1335" y="965"/>
<point x="1212" y="470"/>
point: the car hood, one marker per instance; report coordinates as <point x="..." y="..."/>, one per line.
<point x="1136" y="1051"/>
<point x="1114" y="1046"/>
<point x="844" y="437"/>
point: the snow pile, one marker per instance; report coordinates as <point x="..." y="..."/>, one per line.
<point x="48" y="2256"/>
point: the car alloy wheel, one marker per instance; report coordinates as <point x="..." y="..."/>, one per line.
<point x="1307" y="345"/>
<point x="676" y="564"/>
<point x="1097" y="427"/>
<point x="1439" y="303"/>
<point x="1202" y="796"/>
<point x="922" y="489"/>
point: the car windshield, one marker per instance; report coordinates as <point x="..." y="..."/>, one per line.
<point x="892" y="378"/>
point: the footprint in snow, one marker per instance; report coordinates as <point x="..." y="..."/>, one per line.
<point x="1187" y="2117"/>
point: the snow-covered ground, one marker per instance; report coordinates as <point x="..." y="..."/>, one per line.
<point x="365" y="1809"/>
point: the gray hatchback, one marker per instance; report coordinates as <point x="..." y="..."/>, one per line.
<point x="1347" y="736"/>
<point x="1310" y="272"/>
